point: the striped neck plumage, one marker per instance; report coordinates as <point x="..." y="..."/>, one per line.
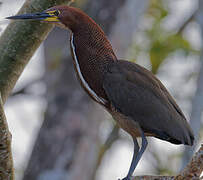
<point x="80" y="75"/>
<point x="92" y="53"/>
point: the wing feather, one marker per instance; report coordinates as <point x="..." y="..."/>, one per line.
<point x="138" y="94"/>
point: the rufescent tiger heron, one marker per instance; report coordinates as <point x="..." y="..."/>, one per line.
<point x="134" y="97"/>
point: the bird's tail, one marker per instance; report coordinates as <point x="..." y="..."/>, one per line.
<point x="179" y="135"/>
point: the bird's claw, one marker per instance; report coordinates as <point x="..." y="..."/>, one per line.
<point x="126" y="178"/>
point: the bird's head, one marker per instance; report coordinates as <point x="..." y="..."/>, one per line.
<point x="63" y="16"/>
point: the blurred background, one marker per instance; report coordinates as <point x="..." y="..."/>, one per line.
<point x="59" y="133"/>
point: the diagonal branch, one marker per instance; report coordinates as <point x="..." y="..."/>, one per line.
<point x="19" y="42"/>
<point x="6" y="162"/>
<point x="192" y="171"/>
<point x="113" y="136"/>
<point x="187" y="21"/>
<point x="154" y="178"/>
<point x="24" y="89"/>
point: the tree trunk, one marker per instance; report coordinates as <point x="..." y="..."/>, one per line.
<point x="124" y="29"/>
<point x="17" y="45"/>
<point x="19" y="42"/>
<point x="6" y="161"/>
<point x="68" y="142"/>
<point x="197" y="102"/>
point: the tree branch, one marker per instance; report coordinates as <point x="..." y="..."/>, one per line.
<point x="19" y="42"/>
<point x="17" y="45"/>
<point x="192" y="171"/>
<point x="113" y="136"/>
<point x="187" y="21"/>
<point x="23" y="90"/>
<point x="154" y="178"/>
<point x="6" y="162"/>
<point x="197" y="101"/>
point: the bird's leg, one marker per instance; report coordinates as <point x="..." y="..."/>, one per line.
<point x="133" y="165"/>
<point x="137" y="154"/>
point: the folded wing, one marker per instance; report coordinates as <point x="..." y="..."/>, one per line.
<point x="138" y="94"/>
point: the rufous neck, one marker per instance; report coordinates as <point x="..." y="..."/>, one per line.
<point x="92" y="38"/>
<point x="92" y="54"/>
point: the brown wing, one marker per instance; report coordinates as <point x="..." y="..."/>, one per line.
<point x="138" y="94"/>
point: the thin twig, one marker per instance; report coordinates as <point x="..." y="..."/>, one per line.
<point x="23" y="90"/>
<point x="191" y="18"/>
<point x="113" y="136"/>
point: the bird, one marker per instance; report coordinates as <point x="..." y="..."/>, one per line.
<point x="136" y="99"/>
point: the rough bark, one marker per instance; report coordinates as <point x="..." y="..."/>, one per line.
<point x="197" y="101"/>
<point x="6" y="161"/>
<point x="67" y="144"/>
<point x="17" y="45"/>
<point x="192" y="171"/>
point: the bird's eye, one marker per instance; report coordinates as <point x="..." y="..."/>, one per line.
<point x="56" y="13"/>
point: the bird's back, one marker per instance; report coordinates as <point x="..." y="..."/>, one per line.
<point x="138" y="95"/>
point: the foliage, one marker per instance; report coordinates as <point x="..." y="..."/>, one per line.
<point x="160" y="42"/>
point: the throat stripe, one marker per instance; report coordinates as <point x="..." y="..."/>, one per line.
<point x="98" y="99"/>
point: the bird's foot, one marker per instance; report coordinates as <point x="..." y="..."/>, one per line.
<point x="126" y="178"/>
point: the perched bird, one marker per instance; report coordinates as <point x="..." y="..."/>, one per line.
<point x="135" y="98"/>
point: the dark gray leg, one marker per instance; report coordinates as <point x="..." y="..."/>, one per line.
<point x="137" y="154"/>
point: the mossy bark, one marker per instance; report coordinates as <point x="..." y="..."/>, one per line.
<point x="17" y="45"/>
<point x="6" y="161"/>
<point x="19" y="42"/>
